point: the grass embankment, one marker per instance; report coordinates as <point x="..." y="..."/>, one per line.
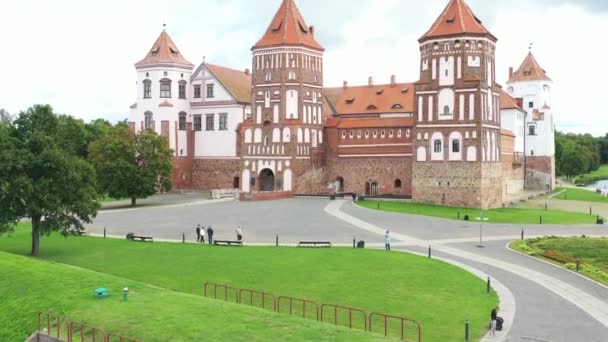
<point x="29" y="285"/>
<point x="439" y="295"/>
<point x="593" y="253"/>
<point x="572" y="194"/>
<point x="593" y="177"/>
<point x="502" y="215"/>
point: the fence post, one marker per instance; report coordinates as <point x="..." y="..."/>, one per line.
<point x="541" y="220"/>
<point x="466" y="331"/>
<point x="183" y="237"/>
<point x="522" y="234"/>
<point x="277" y="241"/>
<point x="546" y="207"/>
<point x="104" y="232"/>
<point x="459" y="215"/>
<point x="578" y="264"/>
<point x="429" y="251"/>
<point x="489" y="285"/>
<point x="354" y="241"/>
<point x="590" y="211"/>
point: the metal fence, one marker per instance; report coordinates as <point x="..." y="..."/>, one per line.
<point x="73" y="331"/>
<point x="391" y="326"/>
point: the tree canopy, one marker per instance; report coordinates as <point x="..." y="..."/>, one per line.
<point x="43" y="175"/>
<point x="131" y="165"/>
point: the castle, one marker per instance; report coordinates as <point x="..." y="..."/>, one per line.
<point x="454" y="137"/>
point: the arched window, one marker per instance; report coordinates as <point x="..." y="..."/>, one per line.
<point x="408" y="133"/>
<point x="455" y="146"/>
<point x="292" y="75"/>
<point x="268" y="77"/>
<point x="399" y="134"/>
<point x="390" y="133"/>
<point x="266" y="140"/>
<point x="437" y="146"/>
<point x="375" y="134"/>
<point x="147" y="89"/>
<point x="165" y="88"/>
<point x="148" y="120"/>
<point x="343" y="134"/>
<point x="352" y="134"/>
<point x="182" y="89"/>
<point x="359" y="134"/>
<point x="267" y="100"/>
<point x="398" y="184"/>
<point x="182" y="121"/>
<point x="383" y="134"/>
<point x="367" y="134"/>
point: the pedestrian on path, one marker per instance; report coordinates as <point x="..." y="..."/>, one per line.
<point x="239" y="233"/>
<point x="198" y="233"/>
<point x="210" y="235"/>
<point x="387" y="240"/>
<point x="493" y="317"/>
<point x="202" y="235"/>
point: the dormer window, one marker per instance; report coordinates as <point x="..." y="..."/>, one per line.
<point x="404" y="90"/>
<point x="452" y="20"/>
<point x="371" y="107"/>
<point x="527" y="73"/>
<point x="154" y="52"/>
<point x="173" y="52"/>
<point x="397" y="106"/>
<point x="278" y="27"/>
<point x="350" y="101"/>
<point x="380" y="92"/>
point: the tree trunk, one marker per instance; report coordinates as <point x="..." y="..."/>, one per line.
<point x="133" y="201"/>
<point x="36" y="235"/>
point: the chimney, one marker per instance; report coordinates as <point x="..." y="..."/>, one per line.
<point x="393" y="80"/>
<point x="345" y="84"/>
<point x="312" y="31"/>
<point x="247" y="72"/>
<point x="370" y="82"/>
<point x="510" y="73"/>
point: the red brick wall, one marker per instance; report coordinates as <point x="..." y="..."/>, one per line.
<point x="182" y="173"/>
<point x="265" y="196"/>
<point x="384" y="171"/>
<point x="209" y="174"/>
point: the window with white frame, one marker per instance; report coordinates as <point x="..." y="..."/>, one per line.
<point x="182" y="121"/>
<point x="198" y="123"/>
<point x="223" y="122"/>
<point x="148" y="120"/>
<point x="210" y="123"/>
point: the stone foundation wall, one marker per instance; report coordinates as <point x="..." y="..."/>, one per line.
<point x="491" y="185"/>
<point x="181" y="177"/>
<point x="209" y="174"/>
<point x="542" y="164"/>
<point x="356" y="172"/>
<point x="455" y="184"/>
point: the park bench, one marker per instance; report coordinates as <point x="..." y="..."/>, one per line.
<point x="314" y="244"/>
<point x="140" y="238"/>
<point x="227" y="243"/>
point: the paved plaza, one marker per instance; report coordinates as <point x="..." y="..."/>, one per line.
<point x="550" y="303"/>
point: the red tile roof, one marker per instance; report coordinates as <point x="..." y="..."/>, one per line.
<point x="375" y="122"/>
<point x="507" y="101"/>
<point x="456" y="19"/>
<point x="237" y="82"/>
<point x="288" y="28"/>
<point x="378" y="99"/>
<point x="164" y="51"/>
<point x="529" y="70"/>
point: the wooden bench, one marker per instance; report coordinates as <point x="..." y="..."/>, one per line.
<point x="142" y="238"/>
<point x="314" y="244"/>
<point x="227" y="243"/>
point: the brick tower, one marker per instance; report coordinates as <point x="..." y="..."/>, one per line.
<point x="457" y="131"/>
<point x="282" y="141"/>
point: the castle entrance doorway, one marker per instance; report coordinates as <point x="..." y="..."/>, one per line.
<point x="266" y="180"/>
<point x="374" y="189"/>
<point x="340" y="183"/>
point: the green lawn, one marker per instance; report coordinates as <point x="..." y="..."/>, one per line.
<point x="439" y="295"/>
<point x="573" y="194"/>
<point x="29" y="285"/>
<point x="502" y="215"/>
<point x="593" y="253"/>
<point x="595" y="176"/>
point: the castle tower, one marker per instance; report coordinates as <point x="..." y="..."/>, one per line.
<point x="531" y="83"/>
<point x="283" y="138"/>
<point x="457" y="131"/>
<point x="163" y="104"/>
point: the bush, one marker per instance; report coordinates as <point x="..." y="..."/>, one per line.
<point x="130" y="236"/>
<point x="467" y="218"/>
<point x="600" y="220"/>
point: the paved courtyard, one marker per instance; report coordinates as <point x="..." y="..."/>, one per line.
<point x="550" y="303"/>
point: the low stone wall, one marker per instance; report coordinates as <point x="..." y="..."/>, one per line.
<point x="265" y="196"/>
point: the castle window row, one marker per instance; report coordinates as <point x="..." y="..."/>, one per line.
<point x="374" y="133"/>
<point x="288" y="60"/>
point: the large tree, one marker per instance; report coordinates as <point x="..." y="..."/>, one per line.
<point x="132" y="165"/>
<point x="5" y="117"/>
<point x="43" y="178"/>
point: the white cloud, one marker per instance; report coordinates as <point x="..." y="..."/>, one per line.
<point x="79" y="55"/>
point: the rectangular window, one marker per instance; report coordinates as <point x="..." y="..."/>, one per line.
<point x="148" y="123"/>
<point x="165" y="90"/>
<point x="182" y="122"/>
<point x="147" y="90"/>
<point x="182" y="91"/>
<point x="223" y="122"/>
<point x="198" y="123"/>
<point x="210" y="94"/>
<point x="197" y="91"/>
<point x="530" y="104"/>
<point x="210" y="123"/>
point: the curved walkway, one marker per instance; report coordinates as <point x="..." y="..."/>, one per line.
<point x="574" y="308"/>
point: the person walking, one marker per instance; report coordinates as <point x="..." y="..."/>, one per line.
<point x="387" y="240"/>
<point x="202" y="235"/>
<point x="239" y="233"/>
<point x="210" y="235"/>
<point x="198" y="233"/>
<point x="493" y="317"/>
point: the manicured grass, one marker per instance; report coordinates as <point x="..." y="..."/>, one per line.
<point x="439" y="295"/>
<point x="573" y="194"/>
<point x="595" y="176"/>
<point x="593" y="253"/>
<point x="30" y="285"/>
<point x="502" y="215"/>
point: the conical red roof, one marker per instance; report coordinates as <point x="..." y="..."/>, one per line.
<point x="164" y="51"/>
<point x="455" y="20"/>
<point x="288" y="28"/>
<point x="529" y="70"/>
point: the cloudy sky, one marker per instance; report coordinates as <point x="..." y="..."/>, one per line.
<point x="78" y="55"/>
